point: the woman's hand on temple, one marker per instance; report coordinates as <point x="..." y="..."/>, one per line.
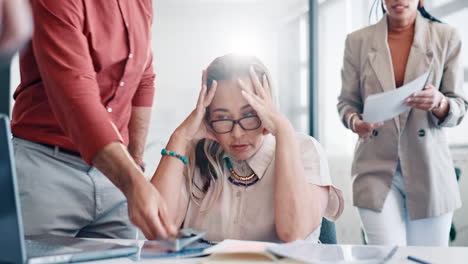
<point x="262" y="102"/>
<point x="194" y="126"/>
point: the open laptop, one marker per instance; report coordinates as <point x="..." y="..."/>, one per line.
<point x="14" y="248"/>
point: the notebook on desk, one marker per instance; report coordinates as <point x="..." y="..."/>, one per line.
<point x="14" y="248"/>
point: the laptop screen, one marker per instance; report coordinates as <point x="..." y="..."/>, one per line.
<point x="11" y="229"/>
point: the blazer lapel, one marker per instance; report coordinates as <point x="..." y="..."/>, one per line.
<point x="419" y="60"/>
<point x="381" y="60"/>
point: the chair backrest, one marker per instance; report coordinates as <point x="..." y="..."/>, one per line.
<point x="327" y="232"/>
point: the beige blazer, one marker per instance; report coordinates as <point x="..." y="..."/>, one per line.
<point x="415" y="138"/>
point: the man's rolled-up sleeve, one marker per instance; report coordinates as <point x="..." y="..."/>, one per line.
<point x="144" y="95"/>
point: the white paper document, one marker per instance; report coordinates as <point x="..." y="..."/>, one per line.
<point x="387" y="105"/>
<point x="307" y="252"/>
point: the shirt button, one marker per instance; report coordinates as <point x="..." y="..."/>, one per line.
<point x="126" y="24"/>
<point x="122" y="84"/>
<point x="130" y="55"/>
<point x="109" y="109"/>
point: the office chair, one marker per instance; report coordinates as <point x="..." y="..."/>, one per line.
<point x="327" y="232"/>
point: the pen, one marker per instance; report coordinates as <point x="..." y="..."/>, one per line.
<point x="389" y="255"/>
<point x="417" y="260"/>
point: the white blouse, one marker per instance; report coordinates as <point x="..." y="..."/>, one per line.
<point x="228" y="211"/>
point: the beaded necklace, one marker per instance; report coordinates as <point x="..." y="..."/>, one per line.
<point x="237" y="179"/>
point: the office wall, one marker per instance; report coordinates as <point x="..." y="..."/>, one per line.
<point x="188" y="35"/>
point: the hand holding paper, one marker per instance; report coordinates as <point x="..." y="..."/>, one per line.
<point x="365" y="129"/>
<point x="387" y="105"/>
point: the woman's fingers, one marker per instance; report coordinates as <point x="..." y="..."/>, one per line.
<point x="419" y="100"/>
<point x="365" y="129"/>
<point x="242" y="85"/>
<point x="201" y="96"/>
<point x="266" y="86"/>
<point x="424" y="93"/>
<point x="211" y="93"/>
<point x="425" y="107"/>
<point x="422" y="104"/>
<point x="259" y="89"/>
<point x="251" y="100"/>
<point x="254" y="100"/>
<point x="204" y="78"/>
<point x="364" y="126"/>
<point x="377" y="125"/>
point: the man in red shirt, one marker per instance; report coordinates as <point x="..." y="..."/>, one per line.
<point x="82" y="111"/>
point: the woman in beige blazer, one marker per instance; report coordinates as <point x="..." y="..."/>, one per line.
<point x="404" y="184"/>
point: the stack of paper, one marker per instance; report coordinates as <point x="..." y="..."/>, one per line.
<point x="239" y="251"/>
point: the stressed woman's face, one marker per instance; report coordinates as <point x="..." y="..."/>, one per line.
<point x="228" y="104"/>
<point x="401" y="9"/>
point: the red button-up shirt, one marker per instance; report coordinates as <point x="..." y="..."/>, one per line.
<point x="88" y="63"/>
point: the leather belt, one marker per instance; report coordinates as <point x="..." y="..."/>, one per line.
<point x="70" y="152"/>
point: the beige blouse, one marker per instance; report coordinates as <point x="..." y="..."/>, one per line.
<point x="247" y="213"/>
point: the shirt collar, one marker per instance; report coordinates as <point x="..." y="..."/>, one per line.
<point x="260" y="161"/>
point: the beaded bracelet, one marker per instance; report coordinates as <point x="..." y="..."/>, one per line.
<point x="173" y="154"/>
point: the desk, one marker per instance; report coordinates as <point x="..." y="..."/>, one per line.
<point x="434" y="255"/>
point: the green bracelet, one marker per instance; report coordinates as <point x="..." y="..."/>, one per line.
<point x="173" y="154"/>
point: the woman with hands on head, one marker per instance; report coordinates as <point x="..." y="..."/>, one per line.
<point x="404" y="182"/>
<point x="236" y="168"/>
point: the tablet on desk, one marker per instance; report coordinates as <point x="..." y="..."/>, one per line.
<point x="184" y="238"/>
<point x="187" y="244"/>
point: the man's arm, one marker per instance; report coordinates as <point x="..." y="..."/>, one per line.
<point x="142" y="102"/>
<point x="138" y="132"/>
<point x="146" y="207"/>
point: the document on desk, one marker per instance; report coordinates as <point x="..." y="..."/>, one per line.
<point x="309" y="252"/>
<point x="387" y="105"/>
<point x="240" y="251"/>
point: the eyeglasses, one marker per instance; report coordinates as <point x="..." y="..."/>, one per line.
<point x="227" y="125"/>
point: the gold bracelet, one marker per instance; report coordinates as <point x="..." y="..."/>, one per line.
<point x="351" y="120"/>
<point x="350" y="117"/>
